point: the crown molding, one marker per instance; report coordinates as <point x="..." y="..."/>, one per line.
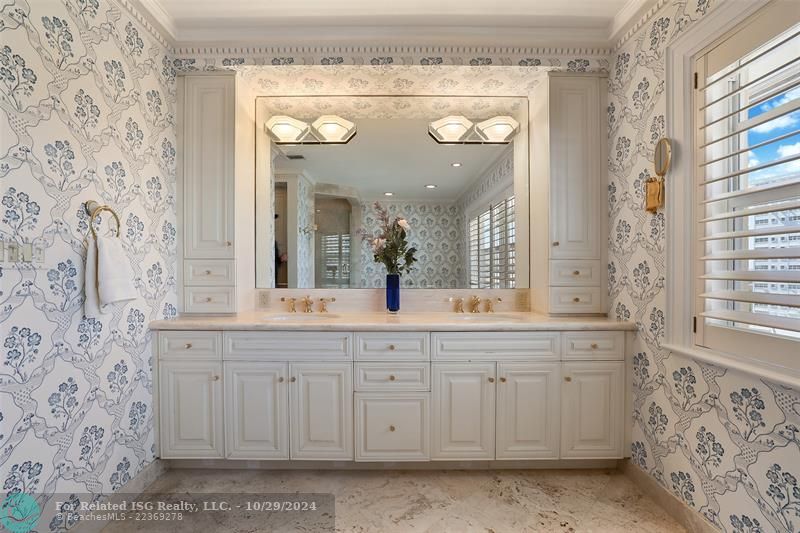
<point x="649" y="12"/>
<point x="153" y="17"/>
<point x="629" y="14"/>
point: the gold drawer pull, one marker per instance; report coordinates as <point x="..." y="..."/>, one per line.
<point x="576" y="299"/>
<point x="188" y="345"/>
<point x="392" y="428"/>
<point x="567" y="379"/>
<point x="216" y="378"/>
<point x="228" y="243"/>
<point x="293" y="379"/>
<point x="594" y="346"/>
<point x="556" y="243"/>
<point x="392" y="347"/>
<point x="208" y="272"/>
<point x="491" y="380"/>
<point x="392" y="378"/>
<point x="209" y="299"/>
<point x="502" y="380"/>
<point x="576" y="272"/>
<point x="280" y="379"/>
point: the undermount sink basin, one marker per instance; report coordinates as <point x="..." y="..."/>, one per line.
<point x="300" y="317"/>
<point x="486" y="317"/>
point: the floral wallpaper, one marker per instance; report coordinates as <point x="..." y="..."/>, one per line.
<point x="435" y="233"/>
<point x="725" y="443"/>
<point x="87" y="106"/>
<point x="305" y="236"/>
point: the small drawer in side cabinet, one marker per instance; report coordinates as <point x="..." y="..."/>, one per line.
<point x="400" y="346"/>
<point x="287" y="346"/>
<point x="189" y="345"/>
<point x="393" y="376"/>
<point x="575" y="300"/>
<point x="207" y="272"/>
<point x="594" y="345"/>
<point x="209" y="299"/>
<point x="496" y="346"/>
<point x="575" y="273"/>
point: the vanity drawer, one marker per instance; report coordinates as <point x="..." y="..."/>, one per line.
<point x="189" y="345"/>
<point x="576" y="300"/>
<point x="393" y="376"/>
<point x="392" y="427"/>
<point x="594" y="345"/>
<point x="209" y="299"/>
<point x="496" y="346"/>
<point x="575" y="273"/>
<point x="406" y="346"/>
<point x="205" y="272"/>
<point x="287" y="346"/>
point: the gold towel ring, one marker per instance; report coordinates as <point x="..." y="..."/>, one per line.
<point x="94" y="209"/>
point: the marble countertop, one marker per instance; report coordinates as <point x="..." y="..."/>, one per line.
<point x="265" y="321"/>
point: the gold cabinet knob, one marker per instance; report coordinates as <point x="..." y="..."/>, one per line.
<point x="491" y="380"/>
<point x="392" y="378"/>
<point x="594" y="346"/>
<point x="502" y="380"/>
<point x="188" y="345"/>
<point x="567" y="379"/>
<point x="556" y="243"/>
<point x="293" y="379"/>
<point x="576" y="272"/>
<point x="216" y="378"/>
<point x="392" y="347"/>
<point x="208" y="272"/>
<point x="209" y="299"/>
<point x="392" y="428"/>
<point x="576" y="299"/>
<point x="228" y="243"/>
<point x="280" y="379"/>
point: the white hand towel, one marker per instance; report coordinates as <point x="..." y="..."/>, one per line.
<point x="114" y="273"/>
<point x="91" y="305"/>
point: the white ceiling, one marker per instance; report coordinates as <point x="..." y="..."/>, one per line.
<point x="394" y="155"/>
<point x="238" y="20"/>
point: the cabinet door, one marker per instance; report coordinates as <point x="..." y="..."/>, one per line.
<point x="191" y="409"/>
<point x="208" y="178"/>
<point x="256" y="410"/>
<point x="591" y="415"/>
<point x="321" y="410"/>
<point x="527" y="410"/>
<point x="392" y="426"/>
<point x="463" y="410"/>
<point x="575" y="167"/>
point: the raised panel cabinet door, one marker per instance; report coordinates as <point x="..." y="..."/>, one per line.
<point x="256" y="410"/>
<point x="527" y="410"/>
<point x="462" y="425"/>
<point x="575" y="178"/>
<point x="392" y="426"/>
<point x="208" y="171"/>
<point x="191" y="410"/>
<point x="592" y="397"/>
<point x="321" y="410"/>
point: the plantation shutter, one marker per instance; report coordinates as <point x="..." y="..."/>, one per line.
<point x="492" y="254"/>
<point x="747" y="134"/>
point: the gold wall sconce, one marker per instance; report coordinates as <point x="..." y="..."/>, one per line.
<point x="654" y="187"/>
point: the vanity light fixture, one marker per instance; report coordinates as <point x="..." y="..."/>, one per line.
<point x="497" y="129"/>
<point x="333" y="129"/>
<point x="284" y="129"/>
<point x="451" y="129"/>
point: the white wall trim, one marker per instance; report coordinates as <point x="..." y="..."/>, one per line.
<point x="627" y="16"/>
<point x="154" y="19"/>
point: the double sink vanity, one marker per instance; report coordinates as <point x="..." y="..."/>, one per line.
<point x="386" y="388"/>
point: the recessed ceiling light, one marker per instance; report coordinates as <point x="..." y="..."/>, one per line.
<point x="456" y="164"/>
<point x="430" y="186"/>
<point x="388" y="194"/>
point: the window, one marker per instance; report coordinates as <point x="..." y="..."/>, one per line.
<point x="335" y="251"/>
<point x="492" y="253"/>
<point x="747" y="138"/>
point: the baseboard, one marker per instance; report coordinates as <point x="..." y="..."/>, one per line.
<point x="234" y="464"/>
<point x="135" y="486"/>
<point x="682" y="513"/>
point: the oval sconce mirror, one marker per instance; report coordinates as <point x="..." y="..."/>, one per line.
<point x="663" y="157"/>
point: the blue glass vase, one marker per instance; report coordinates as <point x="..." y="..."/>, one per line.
<point x="393" y="293"/>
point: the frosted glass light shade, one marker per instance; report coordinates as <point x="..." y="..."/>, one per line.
<point x="333" y="128"/>
<point x="452" y="129"/>
<point x="497" y="129"/>
<point x="285" y="129"/>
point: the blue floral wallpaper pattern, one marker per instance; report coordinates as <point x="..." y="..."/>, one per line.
<point x="87" y="106"/>
<point x="725" y="443"/>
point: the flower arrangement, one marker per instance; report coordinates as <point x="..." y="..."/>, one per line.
<point x="391" y="247"/>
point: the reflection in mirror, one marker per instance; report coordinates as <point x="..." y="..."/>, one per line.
<point x="466" y="202"/>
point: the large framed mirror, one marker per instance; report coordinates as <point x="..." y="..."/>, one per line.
<point x="456" y="168"/>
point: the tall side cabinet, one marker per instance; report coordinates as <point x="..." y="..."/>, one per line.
<point x="568" y="194"/>
<point x="206" y="173"/>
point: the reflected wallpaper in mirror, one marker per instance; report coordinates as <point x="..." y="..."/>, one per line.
<point x="464" y="196"/>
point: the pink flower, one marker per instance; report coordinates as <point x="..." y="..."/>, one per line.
<point x="378" y="244"/>
<point x="403" y="223"/>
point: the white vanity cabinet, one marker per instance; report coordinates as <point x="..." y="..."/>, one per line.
<point x="568" y="194"/>
<point x="206" y="121"/>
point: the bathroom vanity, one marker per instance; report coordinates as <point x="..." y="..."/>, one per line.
<point x="420" y="387"/>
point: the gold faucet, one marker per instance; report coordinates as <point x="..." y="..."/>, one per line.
<point x="490" y="304"/>
<point x="308" y="304"/>
<point x="323" y="304"/>
<point x="475" y="304"/>
<point x="459" y="304"/>
<point x="291" y="301"/>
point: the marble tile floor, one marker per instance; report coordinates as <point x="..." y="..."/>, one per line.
<point x="432" y="501"/>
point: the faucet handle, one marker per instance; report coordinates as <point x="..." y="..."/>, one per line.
<point x="459" y="304"/>
<point x="490" y="304"/>
<point x="474" y="304"/>
<point x="308" y="303"/>
<point x="323" y="304"/>
<point x="292" y="302"/>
